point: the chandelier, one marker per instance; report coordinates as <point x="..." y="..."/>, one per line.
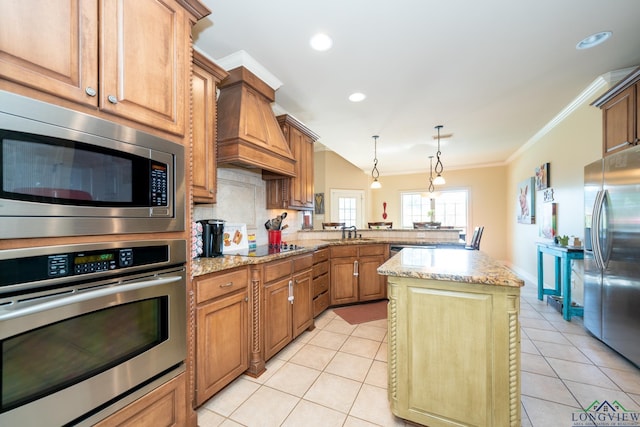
<point x="374" y="172"/>
<point x="439" y="180"/>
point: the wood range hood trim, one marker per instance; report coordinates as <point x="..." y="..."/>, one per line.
<point x="249" y="135"/>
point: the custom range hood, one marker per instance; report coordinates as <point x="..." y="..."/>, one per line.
<point x="249" y="135"/>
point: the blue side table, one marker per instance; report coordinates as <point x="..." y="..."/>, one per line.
<point x="563" y="256"/>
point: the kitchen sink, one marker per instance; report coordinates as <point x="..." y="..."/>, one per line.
<point x="348" y="240"/>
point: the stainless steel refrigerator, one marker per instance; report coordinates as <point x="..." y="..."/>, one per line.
<point x="612" y="251"/>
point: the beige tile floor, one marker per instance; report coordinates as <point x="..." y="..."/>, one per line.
<point x="336" y="374"/>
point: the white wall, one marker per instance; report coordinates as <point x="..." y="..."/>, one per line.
<point x="573" y="143"/>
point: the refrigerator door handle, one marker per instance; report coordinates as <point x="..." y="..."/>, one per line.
<point x="595" y="229"/>
<point x="605" y="252"/>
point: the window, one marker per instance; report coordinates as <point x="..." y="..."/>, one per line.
<point x="448" y="207"/>
<point x="346" y="206"/>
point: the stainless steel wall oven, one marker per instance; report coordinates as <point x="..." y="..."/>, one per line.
<point x="65" y="173"/>
<point x="86" y="329"/>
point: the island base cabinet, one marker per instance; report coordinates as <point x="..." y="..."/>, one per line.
<point x="454" y="353"/>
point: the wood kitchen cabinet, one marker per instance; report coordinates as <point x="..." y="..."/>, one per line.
<point x="222" y="330"/>
<point x="354" y="276"/>
<point x="204" y="81"/>
<point x="287" y="301"/>
<point x="621" y="114"/>
<point x="164" y="406"/>
<point x="321" y="294"/>
<point x="122" y="58"/>
<point x="294" y="193"/>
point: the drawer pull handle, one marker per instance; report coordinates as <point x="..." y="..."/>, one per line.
<point x="226" y="285"/>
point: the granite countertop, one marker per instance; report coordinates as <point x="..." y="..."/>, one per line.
<point x="202" y="266"/>
<point x="454" y="265"/>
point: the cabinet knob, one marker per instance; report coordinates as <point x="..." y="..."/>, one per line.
<point x="90" y="91"/>
<point x="112" y="99"/>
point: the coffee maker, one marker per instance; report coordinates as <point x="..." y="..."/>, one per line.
<point x="212" y="237"/>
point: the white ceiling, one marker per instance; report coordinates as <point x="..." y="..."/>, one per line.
<point x="492" y="72"/>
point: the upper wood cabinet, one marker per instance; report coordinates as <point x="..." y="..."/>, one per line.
<point x="621" y="114"/>
<point x="297" y="192"/>
<point x="205" y="78"/>
<point x="125" y="58"/>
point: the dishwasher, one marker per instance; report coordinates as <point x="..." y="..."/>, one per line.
<point x="394" y="249"/>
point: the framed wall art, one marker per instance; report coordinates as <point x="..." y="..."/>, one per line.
<point x="525" y="205"/>
<point x="548" y="222"/>
<point x="542" y="176"/>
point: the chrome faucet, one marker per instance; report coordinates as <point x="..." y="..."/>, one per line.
<point x="351" y="228"/>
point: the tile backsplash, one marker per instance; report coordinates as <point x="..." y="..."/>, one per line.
<point x="242" y="198"/>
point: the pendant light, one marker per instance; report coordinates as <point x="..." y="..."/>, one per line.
<point x="431" y="188"/>
<point x="439" y="180"/>
<point x="374" y="172"/>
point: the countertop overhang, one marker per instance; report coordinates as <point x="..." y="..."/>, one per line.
<point x="455" y="265"/>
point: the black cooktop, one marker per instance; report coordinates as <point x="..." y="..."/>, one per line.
<point x="264" y="250"/>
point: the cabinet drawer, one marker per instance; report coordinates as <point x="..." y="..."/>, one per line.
<point x="344" y="251"/>
<point x="320" y="284"/>
<point x="320" y="255"/>
<point x="320" y="303"/>
<point x="214" y="285"/>
<point x="277" y="269"/>
<point x="367" y="250"/>
<point x="302" y="262"/>
<point x="320" y="268"/>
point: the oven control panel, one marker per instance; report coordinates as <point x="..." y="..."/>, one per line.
<point x="49" y="266"/>
<point x="93" y="262"/>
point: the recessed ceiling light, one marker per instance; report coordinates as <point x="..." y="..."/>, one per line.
<point x="357" y="97"/>
<point x="593" y="40"/>
<point x="321" y="42"/>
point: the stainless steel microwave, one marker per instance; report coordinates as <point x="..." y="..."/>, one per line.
<point x="66" y="173"/>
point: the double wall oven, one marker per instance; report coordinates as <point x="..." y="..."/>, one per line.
<point x="86" y="328"/>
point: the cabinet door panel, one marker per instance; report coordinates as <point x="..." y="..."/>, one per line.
<point x="618" y="121"/>
<point x="277" y="317"/>
<point x="371" y="285"/>
<point x="344" y="285"/>
<point x="222" y="344"/>
<point x="57" y="52"/>
<point x="203" y="119"/>
<point x="302" y="303"/>
<point x="144" y="62"/>
<point x="447" y="362"/>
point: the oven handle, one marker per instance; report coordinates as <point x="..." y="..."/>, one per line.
<point x="81" y="296"/>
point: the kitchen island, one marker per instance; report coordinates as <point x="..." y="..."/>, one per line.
<point x="454" y="338"/>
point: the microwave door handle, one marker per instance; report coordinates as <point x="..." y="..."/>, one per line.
<point x="67" y="299"/>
